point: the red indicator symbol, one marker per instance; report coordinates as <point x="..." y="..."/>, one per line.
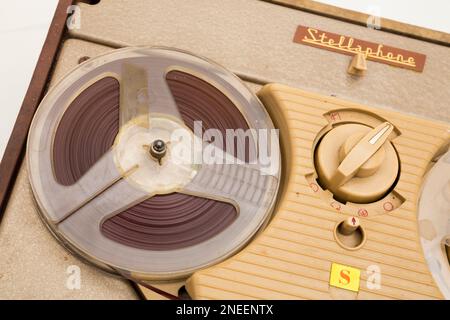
<point x="335" y="205"/>
<point x="314" y="187"/>
<point x="335" y="116"/>
<point x="388" y="206"/>
<point x="363" y="213"/>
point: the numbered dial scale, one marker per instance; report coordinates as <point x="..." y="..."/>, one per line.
<point x="356" y="164"/>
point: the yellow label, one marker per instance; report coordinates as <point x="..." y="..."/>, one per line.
<point x="344" y="277"/>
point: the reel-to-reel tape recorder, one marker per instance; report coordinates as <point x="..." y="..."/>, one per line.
<point x="162" y="167"/>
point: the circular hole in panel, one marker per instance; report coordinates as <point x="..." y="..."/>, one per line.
<point x="349" y="234"/>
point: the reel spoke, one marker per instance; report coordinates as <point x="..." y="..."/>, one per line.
<point x="160" y="96"/>
<point x="66" y="200"/>
<point x="243" y="185"/>
<point x="144" y="91"/>
<point x="133" y="94"/>
<point x="117" y="198"/>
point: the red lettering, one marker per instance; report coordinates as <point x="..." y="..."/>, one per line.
<point x="345" y="277"/>
<point x="335" y="116"/>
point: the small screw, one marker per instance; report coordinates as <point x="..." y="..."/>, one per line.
<point x="83" y="59"/>
<point x="158" y="149"/>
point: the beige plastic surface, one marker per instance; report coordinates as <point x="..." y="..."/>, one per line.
<point x="292" y="257"/>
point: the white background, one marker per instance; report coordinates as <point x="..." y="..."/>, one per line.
<point x="23" y="28"/>
<point x="432" y="14"/>
<point x="24" y="25"/>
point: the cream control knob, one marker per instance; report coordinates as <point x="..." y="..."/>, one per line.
<point x="349" y="225"/>
<point x="358" y="65"/>
<point x="357" y="163"/>
<point x="362" y="151"/>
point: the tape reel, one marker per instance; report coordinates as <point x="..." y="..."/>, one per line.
<point x="113" y="184"/>
<point x="434" y="222"/>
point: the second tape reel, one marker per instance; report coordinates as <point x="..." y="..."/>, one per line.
<point x="115" y="186"/>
